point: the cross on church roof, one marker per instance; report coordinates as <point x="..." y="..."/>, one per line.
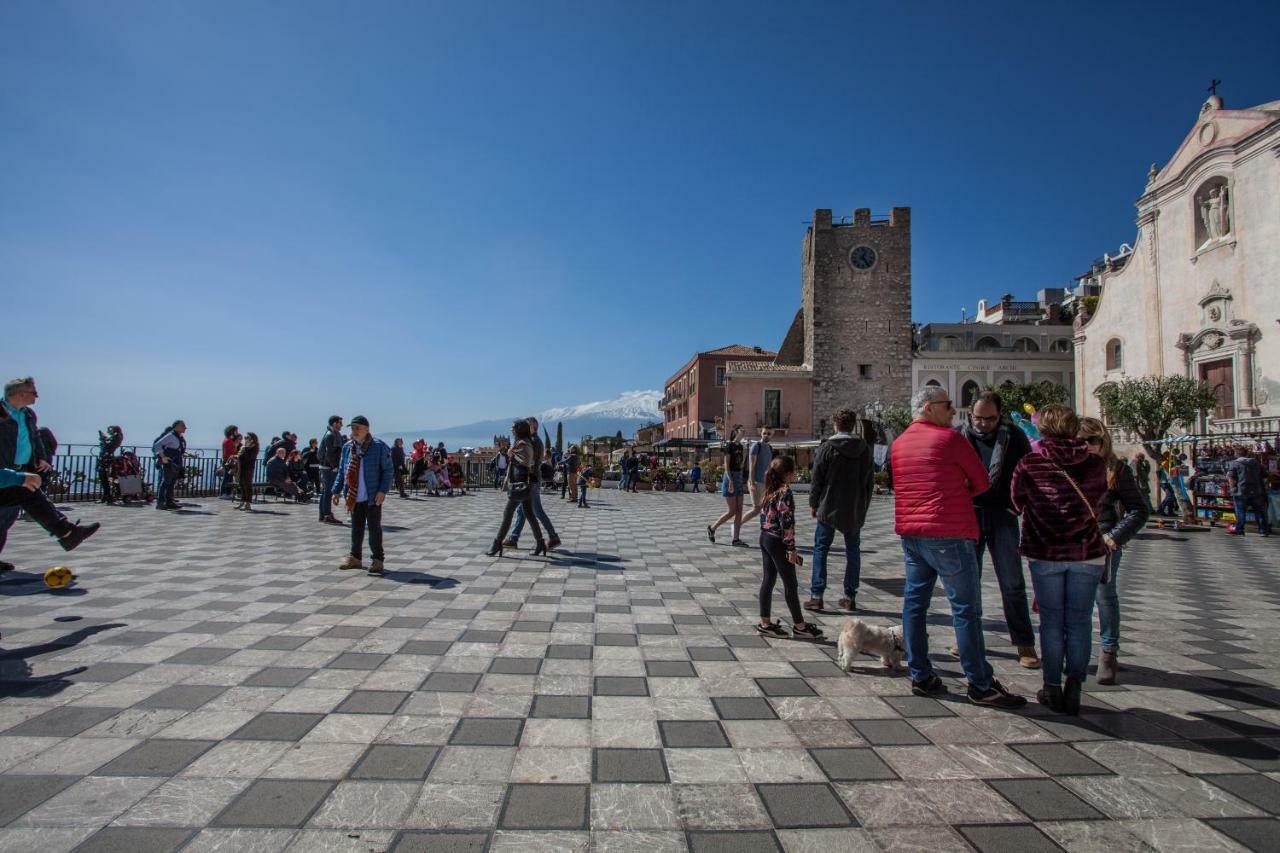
<point x="1213" y="87"/>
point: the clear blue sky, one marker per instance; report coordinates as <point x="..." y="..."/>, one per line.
<point x="436" y="213"/>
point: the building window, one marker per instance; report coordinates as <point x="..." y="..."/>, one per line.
<point x="968" y="393"/>
<point x="720" y="374"/>
<point x="772" y="408"/>
<point x="1025" y="345"/>
<point x="1060" y="345"/>
<point x="864" y="371"/>
<point x="1115" y="354"/>
<point x="987" y="344"/>
<point x="950" y="343"/>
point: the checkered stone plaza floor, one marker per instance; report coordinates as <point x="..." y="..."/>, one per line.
<point x="213" y="682"/>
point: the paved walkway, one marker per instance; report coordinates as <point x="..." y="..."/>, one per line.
<point x="214" y="683"/>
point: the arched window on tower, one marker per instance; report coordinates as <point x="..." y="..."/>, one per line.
<point x="1115" y="354"/>
<point x="987" y="344"/>
<point x="1060" y="345"/>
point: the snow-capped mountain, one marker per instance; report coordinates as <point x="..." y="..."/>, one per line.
<point x="640" y="405"/>
<point x="624" y="413"/>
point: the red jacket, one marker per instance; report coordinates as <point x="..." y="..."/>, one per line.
<point x="936" y="473"/>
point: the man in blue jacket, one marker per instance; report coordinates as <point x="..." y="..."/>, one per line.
<point x="364" y="478"/>
<point x="21" y="447"/>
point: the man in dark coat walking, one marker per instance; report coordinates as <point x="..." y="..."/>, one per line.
<point x="843" y="479"/>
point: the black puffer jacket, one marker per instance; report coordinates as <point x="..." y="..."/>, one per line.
<point x="843" y="478"/>
<point x="1124" y="510"/>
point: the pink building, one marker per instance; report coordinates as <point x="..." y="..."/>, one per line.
<point x="694" y="396"/>
<point x="779" y="396"/>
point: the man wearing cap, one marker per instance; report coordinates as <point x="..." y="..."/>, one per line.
<point x="364" y="478"/>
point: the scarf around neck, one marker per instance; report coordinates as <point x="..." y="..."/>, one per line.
<point x="998" y="451"/>
<point x="353" y="470"/>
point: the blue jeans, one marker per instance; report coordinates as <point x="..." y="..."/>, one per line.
<point x="1257" y="504"/>
<point x="956" y="562"/>
<point x="1108" y="600"/>
<point x="998" y="533"/>
<point x="168" y="479"/>
<point x="1065" y="593"/>
<point x="823" y="536"/>
<point x="327" y="476"/>
<point x="622" y="483"/>
<point x="537" y="511"/>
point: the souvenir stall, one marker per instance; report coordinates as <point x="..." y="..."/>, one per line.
<point x="1210" y="454"/>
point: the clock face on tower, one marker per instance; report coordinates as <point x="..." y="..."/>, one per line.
<point x="863" y="258"/>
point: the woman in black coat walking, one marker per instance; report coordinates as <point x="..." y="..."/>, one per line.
<point x="247" y="459"/>
<point x="398" y="467"/>
<point x="519" y="486"/>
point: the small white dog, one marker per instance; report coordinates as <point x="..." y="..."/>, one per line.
<point x="857" y="637"/>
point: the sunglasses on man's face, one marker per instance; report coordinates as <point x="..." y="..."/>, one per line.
<point x="1094" y="439"/>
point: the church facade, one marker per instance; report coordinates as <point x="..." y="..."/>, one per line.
<point x="1200" y="296"/>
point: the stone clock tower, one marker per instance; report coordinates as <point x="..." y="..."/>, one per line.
<point x="856" y="295"/>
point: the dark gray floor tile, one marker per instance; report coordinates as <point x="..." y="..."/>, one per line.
<point x="785" y="687"/>
<point x="613" y="608"/>
<point x="669" y="669"/>
<point x="406" y="622"/>
<point x="743" y="708"/>
<point x="818" y="669"/>
<point x="281" y="643"/>
<point x="889" y="733"/>
<point x="1261" y="834"/>
<point x="569" y="652"/>
<point x="656" y="629"/>
<point x="736" y="841"/>
<point x="348" y="632"/>
<point x="277" y="725"/>
<point x="689" y="619"/>
<point x="66" y="721"/>
<point x="1045" y="799"/>
<point x="1262" y="791"/>
<point x="629" y="765"/>
<point x="425" y="647"/>
<point x="682" y="734"/>
<point x="428" y="841"/>
<point x="487" y="731"/>
<point x="186" y="697"/>
<point x="531" y="626"/>
<point x="201" y="655"/>
<point x="109" y="672"/>
<point x="545" y="807"/>
<point x="918" y="706"/>
<point x="516" y="666"/>
<point x="579" y="617"/>
<point x="19" y="794"/>
<point x="462" y="613"/>
<point x="451" y="682"/>
<point x="620" y="685"/>
<point x="851" y="764"/>
<point x="1011" y="838"/>
<point x="804" y="806"/>
<point x="274" y="802"/>
<point x="357" y="660"/>
<point x="395" y="761"/>
<point x="135" y="839"/>
<point x="476" y="635"/>
<point x="561" y="707"/>
<point x="615" y="639"/>
<point x="279" y="676"/>
<point x="1059" y="759"/>
<point x="711" y="653"/>
<point x="155" y="758"/>
<point x="746" y="641"/>
<point x="372" y="702"/>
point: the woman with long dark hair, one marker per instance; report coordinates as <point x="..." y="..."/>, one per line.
<point x="519" y="486"/>
<point x="247" y="459"/>
<point x="731" y="487"/>
<point x="1124" y="512"/>
<point x="778" y="549"/>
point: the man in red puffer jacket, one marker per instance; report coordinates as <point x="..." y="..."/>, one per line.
<point x="936" y="473"/>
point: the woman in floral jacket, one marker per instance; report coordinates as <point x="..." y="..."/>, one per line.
<point x="778" y="548"/>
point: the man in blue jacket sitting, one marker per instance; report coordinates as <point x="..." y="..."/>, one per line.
<point x="364" y="478"/>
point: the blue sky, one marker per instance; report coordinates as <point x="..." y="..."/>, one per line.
<point x="437" y="213"/>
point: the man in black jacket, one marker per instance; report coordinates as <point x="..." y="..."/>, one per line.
<point x="840" y="492"/>
<point x="330" y="454"/>
<point x="1000" y="445"/>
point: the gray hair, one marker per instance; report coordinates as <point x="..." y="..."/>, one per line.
<point x="925" y="396"/>
<point x="13" y="386"/>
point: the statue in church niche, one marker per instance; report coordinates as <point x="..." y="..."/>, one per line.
<point x="1213" y="213"/>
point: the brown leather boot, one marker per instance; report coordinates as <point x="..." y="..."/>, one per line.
<point x="1107" y="668"/>
<point x="1027" y="657"/>
<point x="813" y="604"/>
